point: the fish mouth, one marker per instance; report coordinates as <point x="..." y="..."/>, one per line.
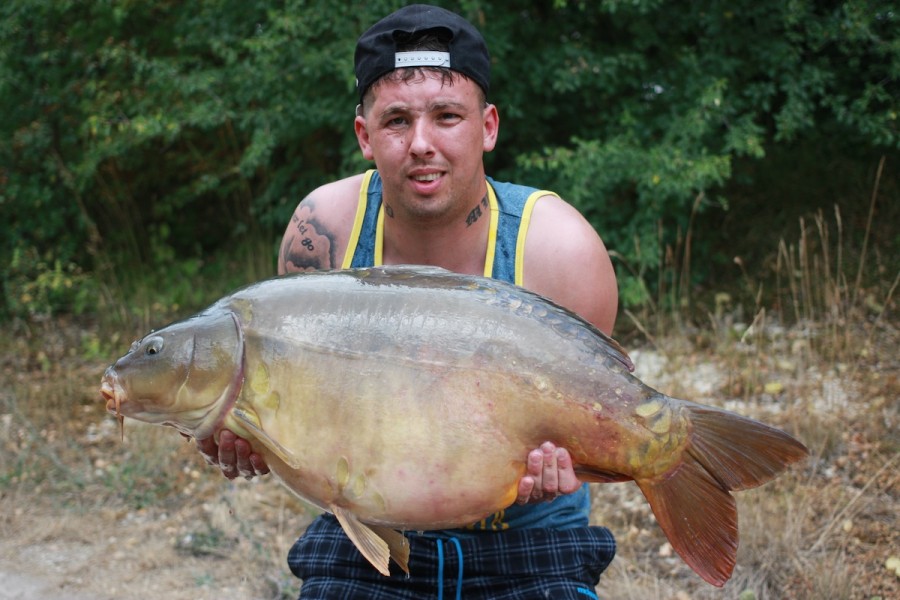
<point x="113" y="393"/>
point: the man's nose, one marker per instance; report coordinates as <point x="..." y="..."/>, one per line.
<point x="421" y="134"/>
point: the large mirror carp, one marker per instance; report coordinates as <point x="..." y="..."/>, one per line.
<point x="407" y="399"/>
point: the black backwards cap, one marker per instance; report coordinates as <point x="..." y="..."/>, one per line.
<point x="376" y="50"/>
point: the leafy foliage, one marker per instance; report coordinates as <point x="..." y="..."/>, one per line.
<point x="137" y="135"/>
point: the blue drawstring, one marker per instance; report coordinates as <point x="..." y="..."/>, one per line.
<point x="440" y="547"/>
<point x="459" y="575"/>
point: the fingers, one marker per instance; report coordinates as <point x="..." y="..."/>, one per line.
<point x="526" y="485"/>
<point x="549" y="472"/>
<point x="249" y="464"/>
<point x="227" y="454"/>
<point x="567" y="481"/>
<point x="530" y="484"/>
<point x="549" y="476"/>
<point x="233" y="455"/>
<point x="209" y="450"/>
<point x="259" y="465"/>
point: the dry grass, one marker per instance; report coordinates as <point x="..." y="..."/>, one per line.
<point x="824" y="529"/>
<point x="817" y="358"/>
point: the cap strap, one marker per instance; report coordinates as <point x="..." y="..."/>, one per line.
<point x="422" y="58"/>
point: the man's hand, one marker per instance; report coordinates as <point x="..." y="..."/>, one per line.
<point x="232" y="455"/>
<point x="549" y="473"/>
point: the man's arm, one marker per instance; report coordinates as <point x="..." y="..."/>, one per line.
<point x="317" y="235"/>
<point x="567" y="262"/>
<point x="307" y="244"/>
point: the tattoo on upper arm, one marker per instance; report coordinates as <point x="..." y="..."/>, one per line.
<point x="307" y="244"/>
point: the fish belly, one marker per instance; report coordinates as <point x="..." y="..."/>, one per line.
<point x="409" y="445"/>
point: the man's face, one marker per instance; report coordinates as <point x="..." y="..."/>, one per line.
<point x="427" y="140"/>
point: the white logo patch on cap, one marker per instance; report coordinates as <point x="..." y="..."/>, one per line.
<point x="422" y="58"/>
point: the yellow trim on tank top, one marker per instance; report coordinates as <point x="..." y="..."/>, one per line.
<point x="358" y="220"/>
<point x="492" y="233"/>
<point x="523" y="232"/>
<point x="379" y="236"/>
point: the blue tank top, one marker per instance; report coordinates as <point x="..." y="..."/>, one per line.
<point x="510" y="207"/>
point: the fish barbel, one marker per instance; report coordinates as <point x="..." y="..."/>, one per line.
<point x="408" y="398"/>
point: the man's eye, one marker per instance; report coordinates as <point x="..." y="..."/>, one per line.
<point x="396" y="122"/>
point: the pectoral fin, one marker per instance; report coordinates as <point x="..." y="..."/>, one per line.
<point x="377" y="544"/>
<point x="397" y="544"/>
<point x="249" y="420"/>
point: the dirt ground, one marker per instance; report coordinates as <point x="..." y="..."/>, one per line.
<point x="231" y="546"/>
<point x="86" y="514"/>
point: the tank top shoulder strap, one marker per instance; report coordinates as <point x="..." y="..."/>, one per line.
<point x="515" y="206"/>
<point x="362" y="247"/>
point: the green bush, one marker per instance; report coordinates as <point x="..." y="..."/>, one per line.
<point x="141" y="133"/>
<point x="37" y="285"/>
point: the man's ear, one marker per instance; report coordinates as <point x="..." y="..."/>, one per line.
<point x="362" y="136"/>
<point x="491" y="127"/>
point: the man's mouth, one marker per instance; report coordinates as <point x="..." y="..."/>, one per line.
<point x="427" y="177"/>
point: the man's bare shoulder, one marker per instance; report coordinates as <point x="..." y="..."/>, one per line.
<point x="317" y="235"/>
<point x="566" y="260"/>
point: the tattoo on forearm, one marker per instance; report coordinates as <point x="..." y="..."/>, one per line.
<point x="307" y="245"/>
<point x="477" y="212"/>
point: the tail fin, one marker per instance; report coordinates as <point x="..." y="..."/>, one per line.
<point x="692" y="502"/>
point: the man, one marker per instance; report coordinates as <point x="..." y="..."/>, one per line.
<point x="423" y="74"/>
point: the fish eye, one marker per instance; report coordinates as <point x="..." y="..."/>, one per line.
<point x="154" y="346"/>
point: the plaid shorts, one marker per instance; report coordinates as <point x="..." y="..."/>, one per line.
<point x="517" y="564"/>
